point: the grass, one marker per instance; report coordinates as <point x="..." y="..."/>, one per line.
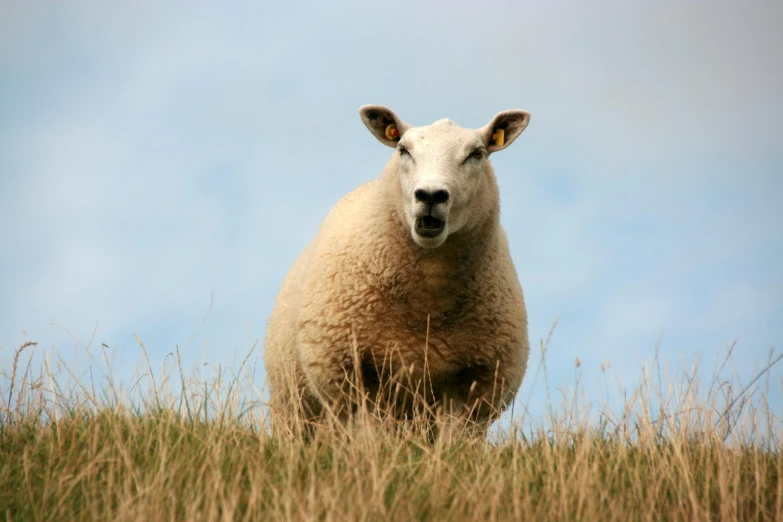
<point x="177" y="447"/>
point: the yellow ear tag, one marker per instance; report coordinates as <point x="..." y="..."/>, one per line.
<point x="392" y="133"/>
<point x="499" y="137"/>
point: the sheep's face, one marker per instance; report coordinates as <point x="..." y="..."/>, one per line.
<point x="441" y="173"/>
<point x="442" y="169"/>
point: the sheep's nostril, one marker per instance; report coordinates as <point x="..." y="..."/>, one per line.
<point x="431" y="198"/>
<point x="440" y="196"/>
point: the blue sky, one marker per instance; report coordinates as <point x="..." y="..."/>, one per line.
<point x="153" y="156"/>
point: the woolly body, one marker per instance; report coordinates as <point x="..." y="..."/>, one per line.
<point x="366" y="284"/>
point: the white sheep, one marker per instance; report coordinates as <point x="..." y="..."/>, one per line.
<point x="410" y="272"/>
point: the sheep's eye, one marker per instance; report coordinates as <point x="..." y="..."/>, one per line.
<point x="476" y="154"/>
<point x="403" y="151"/>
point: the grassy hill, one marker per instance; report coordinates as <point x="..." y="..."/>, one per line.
<point x="74" y="450"/>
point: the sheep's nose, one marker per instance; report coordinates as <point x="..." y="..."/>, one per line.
<point x="431" y="197"/>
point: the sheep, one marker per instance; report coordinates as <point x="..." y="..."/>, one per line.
<point x="409" y="275"/>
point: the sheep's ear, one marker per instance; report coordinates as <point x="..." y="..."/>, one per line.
<point x="504" y="128"/>
<point x="384" y="124"/>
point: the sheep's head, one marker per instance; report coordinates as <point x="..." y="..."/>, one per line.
<point x="442" y="168"/>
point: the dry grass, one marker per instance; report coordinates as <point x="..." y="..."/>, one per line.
<point x="176" y="447"/>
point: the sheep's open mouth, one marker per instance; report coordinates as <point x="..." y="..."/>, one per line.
<point x="429" y="226"/>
